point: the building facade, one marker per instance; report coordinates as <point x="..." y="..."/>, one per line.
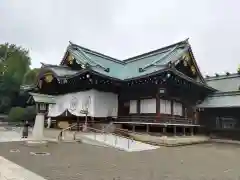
<point x="220" y="110"/>
<point x="159" y="88"/>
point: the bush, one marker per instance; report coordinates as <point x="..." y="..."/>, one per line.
<point x="30" y="113"/>
<point x="17" y="114"/>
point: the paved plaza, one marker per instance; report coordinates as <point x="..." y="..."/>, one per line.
<point x="75" y="161"/>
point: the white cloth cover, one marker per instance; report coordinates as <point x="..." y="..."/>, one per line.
<point x="98" y="104"/>
<point x="49" y="122"/>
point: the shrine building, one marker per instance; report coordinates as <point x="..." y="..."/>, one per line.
<point x="157" y="89"/>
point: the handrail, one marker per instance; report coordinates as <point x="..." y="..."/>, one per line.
<point x="131" y="131"/>
<point x="63" y="130"/>
<point x="103" y="132"/>
<point x="109" y="125"/>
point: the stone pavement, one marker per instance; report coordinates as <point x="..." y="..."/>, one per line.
<point x="85" y="162"/>
<point x="73" y="161"/>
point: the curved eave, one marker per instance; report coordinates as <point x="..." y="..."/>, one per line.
<point x="50" y="70"/>
<point x="195" y="63"/>
<point x="149" y="74"/>
<point x="180" y="74"/>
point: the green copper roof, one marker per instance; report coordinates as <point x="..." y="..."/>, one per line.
<point x="220" y="100"/>
<point x="43" y="98"/>
<point x="130" y="68"/>
<point x="60" y="71"/>
<point x="224" y="83"/>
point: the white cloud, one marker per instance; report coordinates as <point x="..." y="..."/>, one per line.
<point x="124" y="28"/>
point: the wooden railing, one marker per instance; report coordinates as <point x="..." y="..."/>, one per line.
<point x="154" y="119"/>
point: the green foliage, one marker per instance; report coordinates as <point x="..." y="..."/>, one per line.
<point x="17" y="114"/>
<point x="30" y="113"/>
<point x="31" y="76"/>
<point x="14" y="63"/>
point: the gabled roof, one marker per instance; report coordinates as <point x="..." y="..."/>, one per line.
<point x="58" y="71"/>
<point x="224" y="83"/>
<point x="137" y="66"/>
<point x="220" y="100"/>
<point x="228" y="94"/>
<point x="43" y="98"/>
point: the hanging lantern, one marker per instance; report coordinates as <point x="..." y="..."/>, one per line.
<point x="48" y="78"/>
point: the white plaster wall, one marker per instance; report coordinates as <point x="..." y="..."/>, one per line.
<point x="148" y="106"/>
<point x="99" y="104"/>
<point x="133" y="106"/>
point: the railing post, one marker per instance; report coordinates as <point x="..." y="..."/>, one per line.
<point x="115" y="140"/>
<point x="105" y="137"/>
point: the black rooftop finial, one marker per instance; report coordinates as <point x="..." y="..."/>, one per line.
<point x="70" y="43"/>
<point x="186" y="40"/>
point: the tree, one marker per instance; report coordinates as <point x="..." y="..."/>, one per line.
<point x="14" y="63"/>
<point x="31" y="76"/>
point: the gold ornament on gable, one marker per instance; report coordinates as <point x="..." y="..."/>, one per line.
<point x="185" y="63"/>
<point x="186" y="58"/>
<point x="238" y="70"/>
<point x="48" y="78"/>
<point x="70" y="59"/>
<point x="193" y="69"/>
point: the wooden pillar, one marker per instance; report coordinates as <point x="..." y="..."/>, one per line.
<point x="191" y="129"/>
<point x="164" y="129"/>
<point x="158" y="106"/>
<point x="184" y="131"/>
<point x="174" y="130"/>
<point x="147" y="128"/>
<point x="133" y="128"/>
<point x="172" y="113"/>
<point x="78" y="129"/>
<point x="138" y="107"/>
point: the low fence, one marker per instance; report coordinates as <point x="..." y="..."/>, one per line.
<point x="154" y="119"/>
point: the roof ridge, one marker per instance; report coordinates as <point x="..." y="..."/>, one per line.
<point x="89" y="59"/>
<point x="55" y="66"/>
<point x="98" y="53"/>
<point x="222" y="76"/>
<point x="221" y="93"/>
<point x="155" y="61"/>
<point x="155" y="51"/>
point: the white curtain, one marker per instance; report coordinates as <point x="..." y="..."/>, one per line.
<point x="98" y="104"/>
<point x="177" y="108"/>
<point x="165" y="106"/>
<point x="133" y="106"/>
<point x="148" y="106"/>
